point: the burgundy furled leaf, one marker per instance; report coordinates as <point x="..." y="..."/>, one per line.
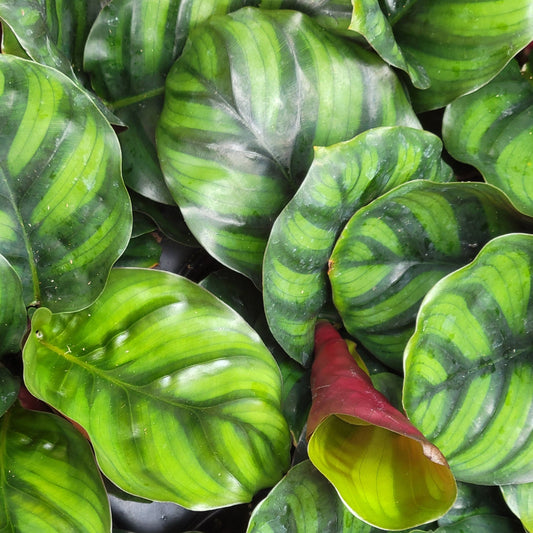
<point x="383" y="468"/>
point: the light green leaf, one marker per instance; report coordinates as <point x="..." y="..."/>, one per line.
<point x="342" y="178"/>
<point x="519" y="498"/>
<point x="468" y="366"/>
<point x="12" y="309"/>
<point x="65" y="215"/>
<point x="251" y="95"/>
<point x="395" y="249"/>
<point x="492" y="129"/>
<point x="179" y="396"/>
<point x="49" y="481"/>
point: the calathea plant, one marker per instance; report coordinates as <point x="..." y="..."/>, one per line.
<point x="346" y="346"/>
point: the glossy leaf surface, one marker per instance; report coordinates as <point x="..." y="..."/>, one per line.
<point x="369" y="20"/>
<point x="250" y="96"/>
<point x="66" y="215"/>
<point x="492" y="129"/>
<point x="384" y="469"/>
<point x="12" y="308"/>
<point x="310" y="505"/>
<point x="44" y="462"/>
<point x="130" y="50"/>
<point x="519" y="498"/>
<point x="394" y="250"/>
<point x="341" y="179"/>
<point x="178" y="394"/>
<point x="9" y="388"/>
<point x="482" y="523"/>
<point x="461" y="44"/>
<point x="468" y="366"/>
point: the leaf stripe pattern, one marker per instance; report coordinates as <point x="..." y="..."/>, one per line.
<point x="461" y="44"/>
<point x="65" y="213"/>
<point x="342" y="178"/>
<point x="467" y="367"/>
<point x="179" y="396"/>
<point x="250" y="96"/>
<point x="40" y="483"/>
<point x="492" y="131"/>
<point x="395" y="249"/>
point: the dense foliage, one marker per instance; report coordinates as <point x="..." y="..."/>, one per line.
<point x="266" y="266"/>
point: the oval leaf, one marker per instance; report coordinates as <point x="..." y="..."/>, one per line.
<point x="44" y="461"/>
<point x="492" y="130"/>
<point x="250" y="96"/>
<point x="461" y="44"/>
<point x="395" y="249"/>
<point x="66" y="215"/>
<point x="132" y="78"/>
<point x="519" y="498"/>
<point x="384" y="469"/>
<point x="310" y="505"/>
<point x="174" y="370"/>
<point x="468" y="366"/>
<point x="341" y="179"/>
<point x="12" y="309"/>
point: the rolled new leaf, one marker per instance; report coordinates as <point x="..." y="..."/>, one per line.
<point x="50" y="481"/>
<point x="250" y="96"/>
<point x="179" y="396"/>
<point x="392" y="252"/>
<point x="468" y="365"/>
<point x="383" y="468"/>
<point x="342" y="178"/>
<point x="65" y="215"/>
<point x="492" y="130"/>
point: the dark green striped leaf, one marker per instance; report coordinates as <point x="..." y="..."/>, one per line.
<point x="49" y="480"/>
<point x="369" y="20"/>
<point x="179" y="396"/>
<point x="395" y="249"/>
<point x="461" y="44"/>
<point x="246" y="102"/>
<point x="492" y="129"/>
<point x="9" y="388"/>
<point x="53" y="33"/>
<point x="468" y="366"/>
<point x="65" y="213"/>
<point x="12" y="308"/>
<point x="519" y="498"/>
<point x="334" y="15"/>
<point x="485" y="523"/>
<point x="130" y="50"/>
<point x="342" y="178"/>
<point x="310" y="504"/>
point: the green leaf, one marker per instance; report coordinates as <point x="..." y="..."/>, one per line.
<point x="468" y="366"/>
<point x="384" y="469"/>
<point x="342" y="178"/>
<point x="65" y="213"/>
<point x="369" y="20"/>
<point x="130" y="50"/>
<point x="310" y="505"/>
<point x="49" y="481"/>
<point x="461" y="44"/>
<point x="12" y="308"/>
<point x="394" y="250"/>
<point x="492" y="129"/>
<point x="519" y="498"/>
<point x="482" y="524"/>
<point x="179" y="396"/>
<point x="144" y="248"/>
<point x="334" y="15"/>
<point x="9" y="388"/>
<point x="250" y="96"/>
